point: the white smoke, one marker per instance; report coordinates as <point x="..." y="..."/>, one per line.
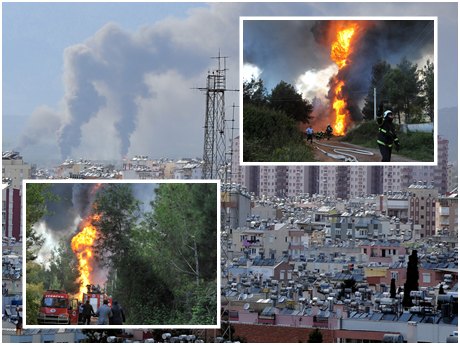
<point x="315" y="83"/>
<point x="51" y="240"/>
<point x="251" y="71"/>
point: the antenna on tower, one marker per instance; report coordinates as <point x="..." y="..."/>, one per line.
<point x="214" y="148"/>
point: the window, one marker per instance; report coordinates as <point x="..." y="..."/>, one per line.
<point x="426" y="277"/>
<point x="394" y="275"/>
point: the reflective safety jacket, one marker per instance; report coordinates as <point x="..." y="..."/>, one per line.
<point x="387" y="134"/>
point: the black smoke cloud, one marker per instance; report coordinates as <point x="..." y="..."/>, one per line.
<point x="73" y="201"/>
<point x="285" y="49"/>
<point x="389" y="41"/>
<point x="282" y="49"/>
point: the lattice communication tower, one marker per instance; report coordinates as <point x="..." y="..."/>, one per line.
<point x="214" y="151"/>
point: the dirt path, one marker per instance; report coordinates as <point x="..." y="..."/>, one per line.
<point x="325" y="153"/>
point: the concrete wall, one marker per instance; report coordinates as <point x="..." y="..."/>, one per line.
<point x="417" y="127"/>
<point x="277" y="334"/>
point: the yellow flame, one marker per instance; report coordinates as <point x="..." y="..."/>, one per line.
<point x="82" y="246"/>
<point x="341" y="47"/>
<point x="339" y="106"/>
<point x="340" y="50"/>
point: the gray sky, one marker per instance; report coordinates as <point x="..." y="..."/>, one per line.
<point x="104" y="80"/>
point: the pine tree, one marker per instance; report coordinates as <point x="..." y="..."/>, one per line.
<point x="315" y="337"/>
<point x="411" y="279"/>
<point x="393" y="288"/>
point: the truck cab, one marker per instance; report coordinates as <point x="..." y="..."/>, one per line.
<point x="57" y="308"/>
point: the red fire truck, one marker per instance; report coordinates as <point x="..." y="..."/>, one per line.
<point x="96" y="297"/>
<point x="58" y="308"/>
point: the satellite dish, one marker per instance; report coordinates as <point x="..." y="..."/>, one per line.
<point x="245" y="296"/>
<point x="281" y="299"/>
<point x="318" y="312"/>
<point x="251" y="295"/>
<point x="246" y="306"/>
<point x="309" y="311"/>
<point x="327" y="313"/>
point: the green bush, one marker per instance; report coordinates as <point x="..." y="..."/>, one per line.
<point x="271" y="136"/>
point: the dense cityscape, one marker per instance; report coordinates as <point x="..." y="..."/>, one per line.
<point x="302" y="247"/>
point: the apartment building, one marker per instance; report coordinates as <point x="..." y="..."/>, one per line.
<point x="422" y="207"/>
<point x="15" y="169"/>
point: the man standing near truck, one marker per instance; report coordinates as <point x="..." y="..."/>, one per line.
<point x="104" y="313"/>
<point x="88" y="311"/>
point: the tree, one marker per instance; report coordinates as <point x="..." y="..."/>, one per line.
<point x="119" y="211"/>
<point x="254" y="92"/>
<point x="62" y="272"/>
<point x="34" y="288"/>
<point x="441" y="290"/>
<point x="411" y="279"/>
<point x="37" y="195"/>
<point x="403" y="89"/>
<point x="175" y="248"/>
<point x="379" y="70"/>
<point x="270" y="135"/>
<point x="427" y="88"/>
<point x="393" y="288"/>
<point x="33" y="300"/>
<point x="185" y="218"/>
<point x="285" y="98"/>
<point x="315" y="337"/>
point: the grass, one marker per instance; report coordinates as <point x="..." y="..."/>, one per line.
<point x="414" y="145"/>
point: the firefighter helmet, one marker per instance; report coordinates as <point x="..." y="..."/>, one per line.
<point x="387" y="113"/>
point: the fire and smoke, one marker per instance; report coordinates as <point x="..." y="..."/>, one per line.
<point x="341" y="49"/>
<point x="330" y="61"/>
<point x="82" y="245"/>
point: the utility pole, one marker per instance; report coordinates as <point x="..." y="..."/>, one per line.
<point x="375" y="104"/>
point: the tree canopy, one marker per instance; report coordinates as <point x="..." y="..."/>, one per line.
<point x="285" y="98"/>
<point x="404" y="89"/>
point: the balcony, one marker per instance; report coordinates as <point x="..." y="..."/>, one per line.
<point x="252" y="243"/>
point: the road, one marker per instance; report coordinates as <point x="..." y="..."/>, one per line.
<point x="334" y="150"/>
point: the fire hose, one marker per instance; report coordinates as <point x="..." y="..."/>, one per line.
<point x="344" y="153"/>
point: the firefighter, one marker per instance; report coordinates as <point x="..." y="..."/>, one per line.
<point x="387" y="136"/>
<point x="328" y="132"/>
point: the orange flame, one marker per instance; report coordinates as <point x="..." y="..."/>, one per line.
<point x="340" y="51"/>
<point x="82" y="246"/>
